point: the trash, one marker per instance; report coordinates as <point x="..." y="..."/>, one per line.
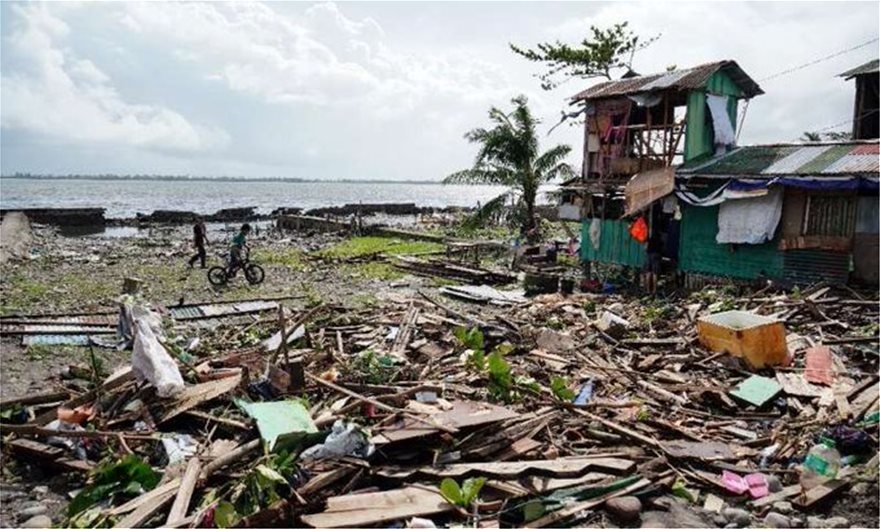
<point x="759" y="340"/>
<point x="345" y="439"/>
<point x="585" y="394"/>
<point x="818" y="360"/>
<point x="179" y="447"/>
<point x="280" y="423"/>
<point x="820" y="465"/>
<point x="612" y="324"/>
<point x="734" y="482"/>
<point x="757" y="390"/>
<point x="151" y="362"/>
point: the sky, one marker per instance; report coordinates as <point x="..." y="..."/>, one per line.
<point x="367" y="90"/>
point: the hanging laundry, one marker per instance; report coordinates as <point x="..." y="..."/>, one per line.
<point x="639" y="230"/>
<point x="749" y="220"/>
<point x="595" y="232"/>
<point x="724" y="135"/>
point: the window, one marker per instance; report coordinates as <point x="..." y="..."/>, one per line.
<point x="830" y="216"/>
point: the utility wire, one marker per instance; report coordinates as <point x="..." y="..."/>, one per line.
<point x="847" y="122"/>
<point x="817" y="61"/>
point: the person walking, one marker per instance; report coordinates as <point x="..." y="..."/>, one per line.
<point x="200" y="238"/>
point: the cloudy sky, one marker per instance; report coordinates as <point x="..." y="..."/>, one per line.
<point x="364" y="90"/>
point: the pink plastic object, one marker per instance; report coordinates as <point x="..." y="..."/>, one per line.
<point x="734" y="482"/>
<point x="758" y="486"/>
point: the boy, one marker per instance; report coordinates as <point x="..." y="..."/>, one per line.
<point x="200" y="237"/>
<point x="238" y="242"/>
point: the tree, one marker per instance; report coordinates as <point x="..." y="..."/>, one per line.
<point x="826" y="136"/>
<point x="598" y="55"/>
<point x="509" y="155"/>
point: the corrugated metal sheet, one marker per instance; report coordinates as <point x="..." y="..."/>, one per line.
<point x="796" y="159"/>
<point x="699" y="253"/>
<point x="616" y="245"/>
<point x="687" y="79"/>
<point x="838" y="159"/>
<point x="859" y="163"/>
<point x="811" y="266"/>
<point x="55" y="339"/>
<point x="868" y="67"/>
<point x="830" y="215"/>
<point x="183" y="313"/>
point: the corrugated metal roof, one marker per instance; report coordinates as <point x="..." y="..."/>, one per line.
<point x="868" y="67"/>
<point x="688" y="79"/>
<point x="829" y="159"/>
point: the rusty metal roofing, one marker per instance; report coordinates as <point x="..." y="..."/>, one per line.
<point x="814" y="159"/>
<point x="687" y="79"/>
<point x="868" y="67"/>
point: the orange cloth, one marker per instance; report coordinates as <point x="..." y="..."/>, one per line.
<point x="639" y="230"/>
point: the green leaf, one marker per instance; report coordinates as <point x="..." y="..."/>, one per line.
<point x="532" y="510"/>
<point x="470" y="489"/>
<point x="270" y="475"/>
<point x="560" y="389"/>
<point x="450" y="490"/>
<point x="225" y="515"/>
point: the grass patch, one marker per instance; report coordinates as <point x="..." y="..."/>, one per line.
<point x="291" y="258"/>
<point x="363" y="246"/>
<point x="373" y="270"/>
<point x="22" y="293"/>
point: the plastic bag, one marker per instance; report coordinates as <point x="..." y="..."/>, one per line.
<point x="639" y="230"/>
<point x="344" y="440"/>
<point x="150" y="361"/>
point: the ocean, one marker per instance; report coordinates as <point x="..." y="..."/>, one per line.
<point x="125" y="198"/>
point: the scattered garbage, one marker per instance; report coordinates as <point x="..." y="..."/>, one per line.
<point x="151" y="362"/>
<point x="345" y="439"/>
<point x="408" y="412"/>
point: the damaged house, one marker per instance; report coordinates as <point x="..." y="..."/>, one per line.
<point x="662" y="148"/>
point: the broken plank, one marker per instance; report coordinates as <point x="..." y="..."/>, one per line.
<point x="148" y="508"/>
<point x="618" y="428"/>
<point x="820" y="492"/>
<point x="561" y="467"/>
<point x="785" y="493"/>
<point x="193" y="396"/>
<point x="555" y="517"/>
<point x="50" y="455"/>
<point x="184" y="493"/>
<point x="362" y="510"/>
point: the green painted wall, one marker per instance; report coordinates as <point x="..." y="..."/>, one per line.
<point x="699" y="136"/>
<point x="616" y="245"/>
<point x="698" y="251"/>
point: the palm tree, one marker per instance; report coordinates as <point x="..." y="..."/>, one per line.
<point x="509" y="156"/>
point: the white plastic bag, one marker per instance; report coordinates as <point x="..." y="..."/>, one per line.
<point x="151" y="362"/>
<point x="345" y="439"/>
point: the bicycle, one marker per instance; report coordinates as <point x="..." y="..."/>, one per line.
<point x="220" y="275"/>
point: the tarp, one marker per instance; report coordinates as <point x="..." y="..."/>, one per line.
<point x="749" y="221"/>
<point x="646" y="187"/>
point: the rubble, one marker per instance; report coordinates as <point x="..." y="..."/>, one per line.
<point x="563" y="407"/>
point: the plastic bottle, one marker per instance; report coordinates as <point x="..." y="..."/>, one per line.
<point x="820" y="465"/>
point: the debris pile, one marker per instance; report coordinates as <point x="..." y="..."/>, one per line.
<point x="559" y="410"/>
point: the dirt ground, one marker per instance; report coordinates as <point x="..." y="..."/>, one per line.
<point x="86" y="274"/>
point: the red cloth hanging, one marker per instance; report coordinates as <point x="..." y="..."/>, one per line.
<point x="639" y="230"/>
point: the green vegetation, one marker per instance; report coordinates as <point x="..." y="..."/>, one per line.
<point x="373" y="270"/>
<point x="559" y="386"/>
<point x="463" y="496"/>
<point x="365" y="246"/>
<point x="20" y="293"/>
<point x="601" y="52"/>
<point x="374" y="368"/>
<point x="291" y="258"/>
<point x="115" y="480"/>
<point x="508" y="155"/>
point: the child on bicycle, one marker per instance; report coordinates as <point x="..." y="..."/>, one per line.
<point x="238" y="243"/>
